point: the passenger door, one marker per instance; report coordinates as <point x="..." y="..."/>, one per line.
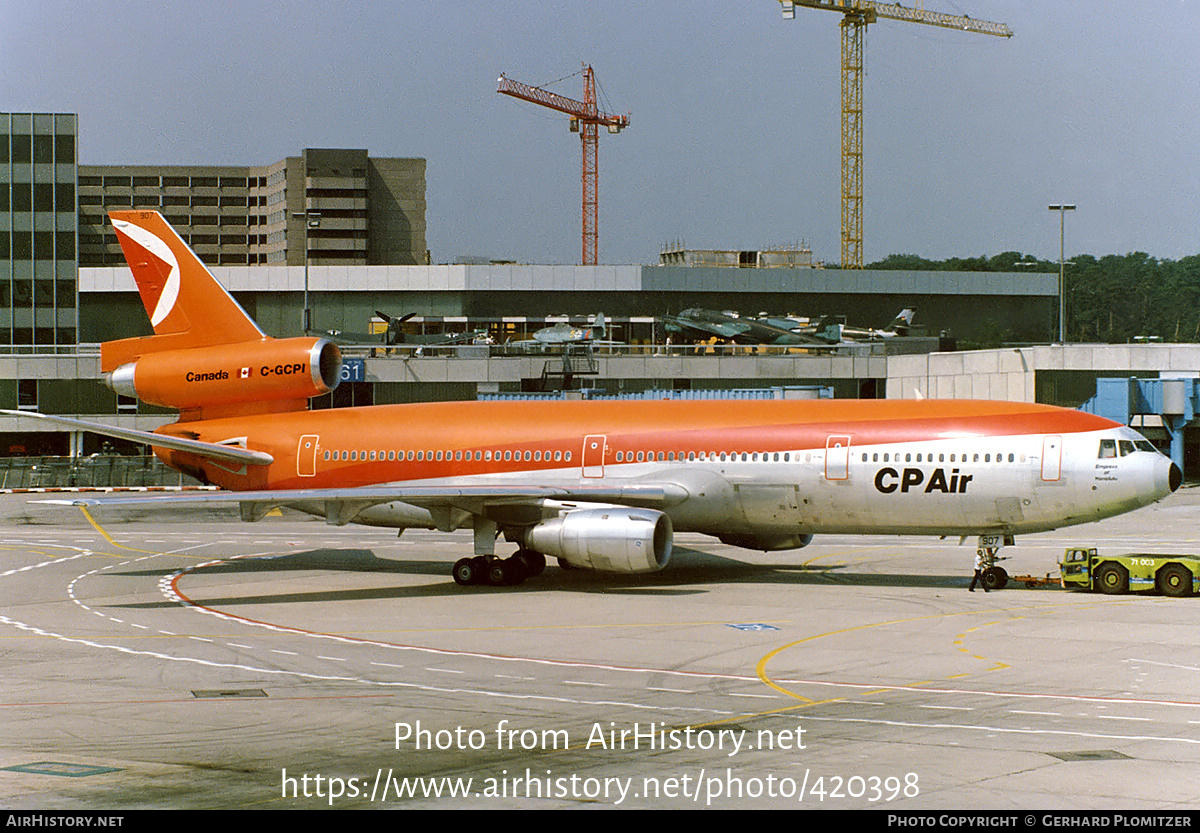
<point x="1052" y="458"/>
<point x="837" y="457"/>
<point x="594" y="446"/>
<point x="306" y="455"/>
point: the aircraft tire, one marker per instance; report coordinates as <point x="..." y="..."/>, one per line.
<point x="498" y="572"/>
<point x="517" y="570"/>
<point x="1175" y="580"/>
<point x="532" y="561"/>
<point x="995" y="578"/>
<point x="1112" y="579"/>
<point x="466" y="572"/>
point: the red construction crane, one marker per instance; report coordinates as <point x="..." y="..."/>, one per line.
<point x="585" y="118"/>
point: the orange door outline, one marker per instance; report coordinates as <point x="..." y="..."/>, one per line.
<point x="837" y="457"/>
<point x="594" y="446"/>
<point x="306" y="455"/>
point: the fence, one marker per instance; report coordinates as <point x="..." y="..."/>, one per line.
<point x="100" y="471"/>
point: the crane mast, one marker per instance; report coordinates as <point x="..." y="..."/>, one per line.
<point x="856" y="14"/>
<point x="586" y="119"/>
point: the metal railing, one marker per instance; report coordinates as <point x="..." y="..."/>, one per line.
<point x="514" y="351"/>
<point x="100" y="471"/>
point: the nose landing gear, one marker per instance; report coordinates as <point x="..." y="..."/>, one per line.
<point x="994" y="577"/>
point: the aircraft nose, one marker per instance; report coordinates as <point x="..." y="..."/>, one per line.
<point x="1167" y="478"/>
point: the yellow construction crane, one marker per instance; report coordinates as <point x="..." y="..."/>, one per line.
<point x="856" y="14"/>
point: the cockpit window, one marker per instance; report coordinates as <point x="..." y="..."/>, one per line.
<point x="1111" y="448"/>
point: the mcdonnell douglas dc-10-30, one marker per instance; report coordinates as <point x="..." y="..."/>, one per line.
<point x="596" y="484"/>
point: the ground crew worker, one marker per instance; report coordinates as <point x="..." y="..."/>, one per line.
<point x="978" y="577"/>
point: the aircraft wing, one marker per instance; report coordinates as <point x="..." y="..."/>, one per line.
<point x="239" y="455"/>
<point x="343" y="504"/>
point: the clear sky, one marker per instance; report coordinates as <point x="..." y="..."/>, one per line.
<point x="734" y="141"/>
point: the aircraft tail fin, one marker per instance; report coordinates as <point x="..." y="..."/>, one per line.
<point x="187" y="306"/>
<point x="599" y="328"/>
<point x="901" y="323"/>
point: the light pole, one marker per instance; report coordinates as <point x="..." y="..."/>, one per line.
<point x="312" y="219"/>
<point x="1062" y="210"/>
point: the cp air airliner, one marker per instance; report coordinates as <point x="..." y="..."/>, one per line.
<point x="601" y="485"/>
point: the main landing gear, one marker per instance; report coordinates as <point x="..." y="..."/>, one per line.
<point x="499" y="572"/>
<point x="994" y="578"/>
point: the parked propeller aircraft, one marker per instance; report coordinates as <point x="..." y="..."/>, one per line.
<point x="566" y="333"/>
<point x="596" y="484"/>
<point x="898" y="326"/>
<point x="704" y="324"/>
<point x="394" y="334"/>
<point x="774" y="330"/>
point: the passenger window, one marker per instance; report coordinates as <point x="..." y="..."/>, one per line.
<point x="1108" y="448"/>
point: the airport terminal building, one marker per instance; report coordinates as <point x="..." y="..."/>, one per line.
<point x="351" y="228"/>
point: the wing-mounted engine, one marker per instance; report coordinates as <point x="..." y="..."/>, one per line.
<point x="615" y="539"/>
<point x="268" y="376"/>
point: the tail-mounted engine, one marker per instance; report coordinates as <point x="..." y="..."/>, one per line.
<point x="251" y="377"/>
<point x="615" y="539"/>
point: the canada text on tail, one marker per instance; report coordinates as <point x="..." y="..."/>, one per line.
<point x="207" y="357"/>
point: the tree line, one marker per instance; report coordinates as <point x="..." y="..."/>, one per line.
<point x="1112" y="299"/>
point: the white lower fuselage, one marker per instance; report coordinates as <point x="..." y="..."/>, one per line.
<point x="761" y="475"/>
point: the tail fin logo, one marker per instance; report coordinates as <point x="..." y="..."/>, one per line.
<point x="168" y="290"/>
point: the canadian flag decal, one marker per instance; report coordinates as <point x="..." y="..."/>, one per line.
<point x="245" y="373"/>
